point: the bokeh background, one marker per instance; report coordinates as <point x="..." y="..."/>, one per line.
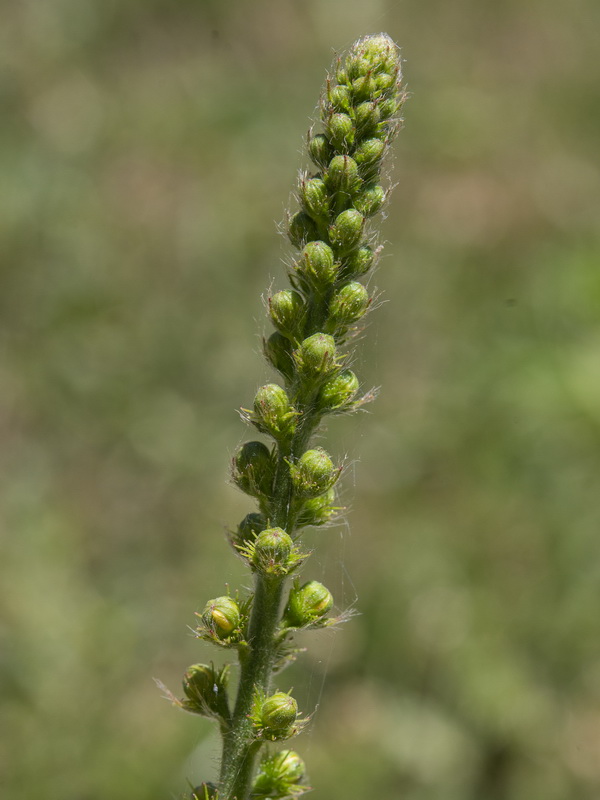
<point x="148" y="149"/>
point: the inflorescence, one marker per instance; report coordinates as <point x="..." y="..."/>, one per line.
<point x="293" y="482"/>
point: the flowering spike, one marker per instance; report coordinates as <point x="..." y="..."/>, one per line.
<point x="293" y="481"/>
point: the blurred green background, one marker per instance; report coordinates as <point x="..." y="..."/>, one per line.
<point x="148" y="149"/>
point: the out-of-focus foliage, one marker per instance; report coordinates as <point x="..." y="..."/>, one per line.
<point x="147" y="150"/>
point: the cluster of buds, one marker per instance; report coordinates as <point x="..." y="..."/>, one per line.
<point x="292" y="481"/>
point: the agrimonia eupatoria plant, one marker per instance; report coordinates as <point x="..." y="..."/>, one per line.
<point x="292" y="481"/>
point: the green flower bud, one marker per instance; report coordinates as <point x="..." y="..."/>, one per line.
<point x="249" y="528"/>
<point x="221" y="616"/>
<point x="278" y="351"/>
<point x="370" y="200"/>
<point x="253" y="469"/>
<point x="317" y="264"/>
<point x="341" y="76"/>
<point x="318" y="510"/>
<point x="339" y="98"/>
<point x="341" y="131"/>
<point x="206" y="690"/>
<point x="349" y="304"/>
<point x="367" y="116"/>
<point x="272" y="411"/>
<point x="314" y="473"/>
<point x="342" y="174"/>
<point x="380" y="51"/>
<point x="307" y="604"/>
<point x="277" y="773"/>
<point x="301" y="229"/>
<point x="278" y="714"/>
<point x="364" y="87"/>
<point x="347" y="229"/>
<point x="272" y="550"/>
<point x="369" y="153"/>
<point x="290" y="766"/>
<point x="359" y="262"/>
<point x="287" y="310"/>
<point x="338" y="391"/>
<point x="316" y="356"/>
<point x="319" y="150"/>
<point x="384" y="82"/>
<point x="206" y="791"/>
<point x="357" y="65"/>
<point x="389" y="108"/>
<point x="314" y="198"/>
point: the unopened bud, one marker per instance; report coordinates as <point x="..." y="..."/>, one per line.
<point x="319" y="149"/>
<point x="301" y="229"/>
<point x="364" y="87"/>
<point x="368" y="154"/>
<point x="380" y="51"/>
<point x="249" y="528"/>
<point x="314" y="473"/>
<point x="389" y="107"/>
<point x="356" y="64"/>
<point x="349" y="304"/>
<point x="278" y="351"/>
<point x="278" y="714"/>
<point x="370" y="200"/>
<point x="367" y="116"/>
<point x="206" y="690"/>
<point x="314" y="198"/>
<point x="272" y="550"/>
<point x="317" y="264"/>
<point x="359" y="262"/>
<point x="347" y="229"/>
<point x="253" y="469"/>
<point x="287" y="310"/>
<point x="221" y="616"/>
<point x="339" y="97"/>
<point x="272" y="411"/>
<point x="277" y="773"/>
<point x="307" y="604"/>
<point x="318" y="510"/>
<point x="338" y="391"/>
<point x="341" y="131"/>
<point x="342" y="174"/>
<point x="316" y="356"/>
